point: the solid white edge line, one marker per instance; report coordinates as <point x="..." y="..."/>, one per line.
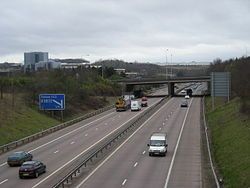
<point x="108" y="157"/>
<point x="176" y="147"/>
<point x="208" y="148"/>
<point x="83" y="152"/>
<point x="63" y="135"/>
<point x="3" y="181"/>
<point x="135" y="164"/>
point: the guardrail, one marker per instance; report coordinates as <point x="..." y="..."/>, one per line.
<point x="15" y="144"/>
<point x="112" y="139"/>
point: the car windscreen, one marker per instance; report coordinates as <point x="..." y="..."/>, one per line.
<point x="27" y="166"/>
<point x="16" y="156"/>
<point x="157" y="142"/>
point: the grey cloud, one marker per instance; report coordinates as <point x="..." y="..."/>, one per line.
<point x="132" y="29"/>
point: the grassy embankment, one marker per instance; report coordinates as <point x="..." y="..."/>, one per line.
<point x="230" y="133"/>
<point x="21" y="120"/>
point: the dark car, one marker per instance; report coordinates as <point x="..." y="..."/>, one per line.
<point x="17" y="158"/>
<point x="144" y="101"/>
<point x="184" y="103"/>
<point x="31" y="169"/>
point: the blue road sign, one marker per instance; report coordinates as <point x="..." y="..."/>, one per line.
<point x="52" y="101"/>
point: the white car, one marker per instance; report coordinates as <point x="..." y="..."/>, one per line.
<point x="183" y="91"/>
<point x="187" y="97"/>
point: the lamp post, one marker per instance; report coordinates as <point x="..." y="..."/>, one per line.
<point x="166" y="64"/>
<point x="171" y="67"/>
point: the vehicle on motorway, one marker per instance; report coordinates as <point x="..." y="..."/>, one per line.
<point x="144" y="101"/>
<point x="135" y="105"/>
<point x="183" y="92"/>
<point x="31" y="169"/>
<point x="123" y="103"/>
<point x="189" y="91"/>
<point x="18" y="158"/>
<point x="187" y="97"/>
<point x="158" y="144"/>
<point x="184" y="103"/>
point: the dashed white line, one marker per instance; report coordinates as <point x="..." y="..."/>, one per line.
<point x="135" y="164"/>
<point x="64" y="135"/>
<point x="3" y="164"/>
<point x="105" y="124"/>
<point x="163" y="123"/>
<point x="86" y="134"/>
<point x="72" y="142"/>
<point x="123" y="183"/>
<point x="56" y="151"/>
<point x="96" y="129"/>
<point x="143" y="152"/>
<point x="176" y="147"/>
<point x="3" y="181"/>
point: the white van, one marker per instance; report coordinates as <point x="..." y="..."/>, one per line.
<point x="135" y="105"/>
<point x="158" y="144"/>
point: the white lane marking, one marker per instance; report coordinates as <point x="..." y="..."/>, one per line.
<point x="3" y="181"/>
<point x="56" y="151"/>
<point x="123" y="183"/>
<point x="108" y="157"/>
<point x="160" y="128"/>
<point x="96" y="129"/>
<point x="3" y="164"/>
<point x="166" y="119"/>
<point x="69" y="133"/>
<point x="143" y="152"/>
<point x="176" y="147"/>
<point x="163" y="123"/>
<point x="135" y="164"/>
<point x="105" y="124"/>
<point x="85" y="151"/>
<point x="86" y="134"/>
<point x="72" y="142"/>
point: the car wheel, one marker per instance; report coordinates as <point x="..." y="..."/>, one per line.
<point x="36" y="175"/>
<point x="21" y="177"/>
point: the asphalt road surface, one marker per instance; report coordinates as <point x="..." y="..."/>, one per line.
<point x="131" y="166"/>
<point x="61" y="150"/>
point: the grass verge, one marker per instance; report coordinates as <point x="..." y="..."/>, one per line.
<point x="230" y="134"/>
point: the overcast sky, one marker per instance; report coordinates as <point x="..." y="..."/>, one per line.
<point x="131" y="30"/>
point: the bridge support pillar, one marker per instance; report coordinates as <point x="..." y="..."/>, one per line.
<point x="171" y="89"/>
<point x="129" y="88"/>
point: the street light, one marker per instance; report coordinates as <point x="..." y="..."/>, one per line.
<point x="166" y="64"/>
<point x="171" y="67"/>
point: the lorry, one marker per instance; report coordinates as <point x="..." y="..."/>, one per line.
<point x="158" y="144"/>
<point x="123" y="103"/>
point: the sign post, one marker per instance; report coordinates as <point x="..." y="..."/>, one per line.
<point x="52" y="102"/>
<point x="221" y="85"/>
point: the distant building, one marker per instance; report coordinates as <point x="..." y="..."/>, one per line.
<point x="120" y="71"/>
<point x="32" y="58"/>
<point x="9" y="68"/>
<point x="47" y="65"/>
<point x="131" y="74"/>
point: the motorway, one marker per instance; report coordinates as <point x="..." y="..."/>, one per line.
<point x="62" y="150"/>
<point x="129" y="165"/>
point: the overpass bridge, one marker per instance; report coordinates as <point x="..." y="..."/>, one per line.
<point x="130" y="83"/>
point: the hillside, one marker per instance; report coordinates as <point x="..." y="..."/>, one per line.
<point x="230" y="133"/>
<point x="20" y="121"/>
